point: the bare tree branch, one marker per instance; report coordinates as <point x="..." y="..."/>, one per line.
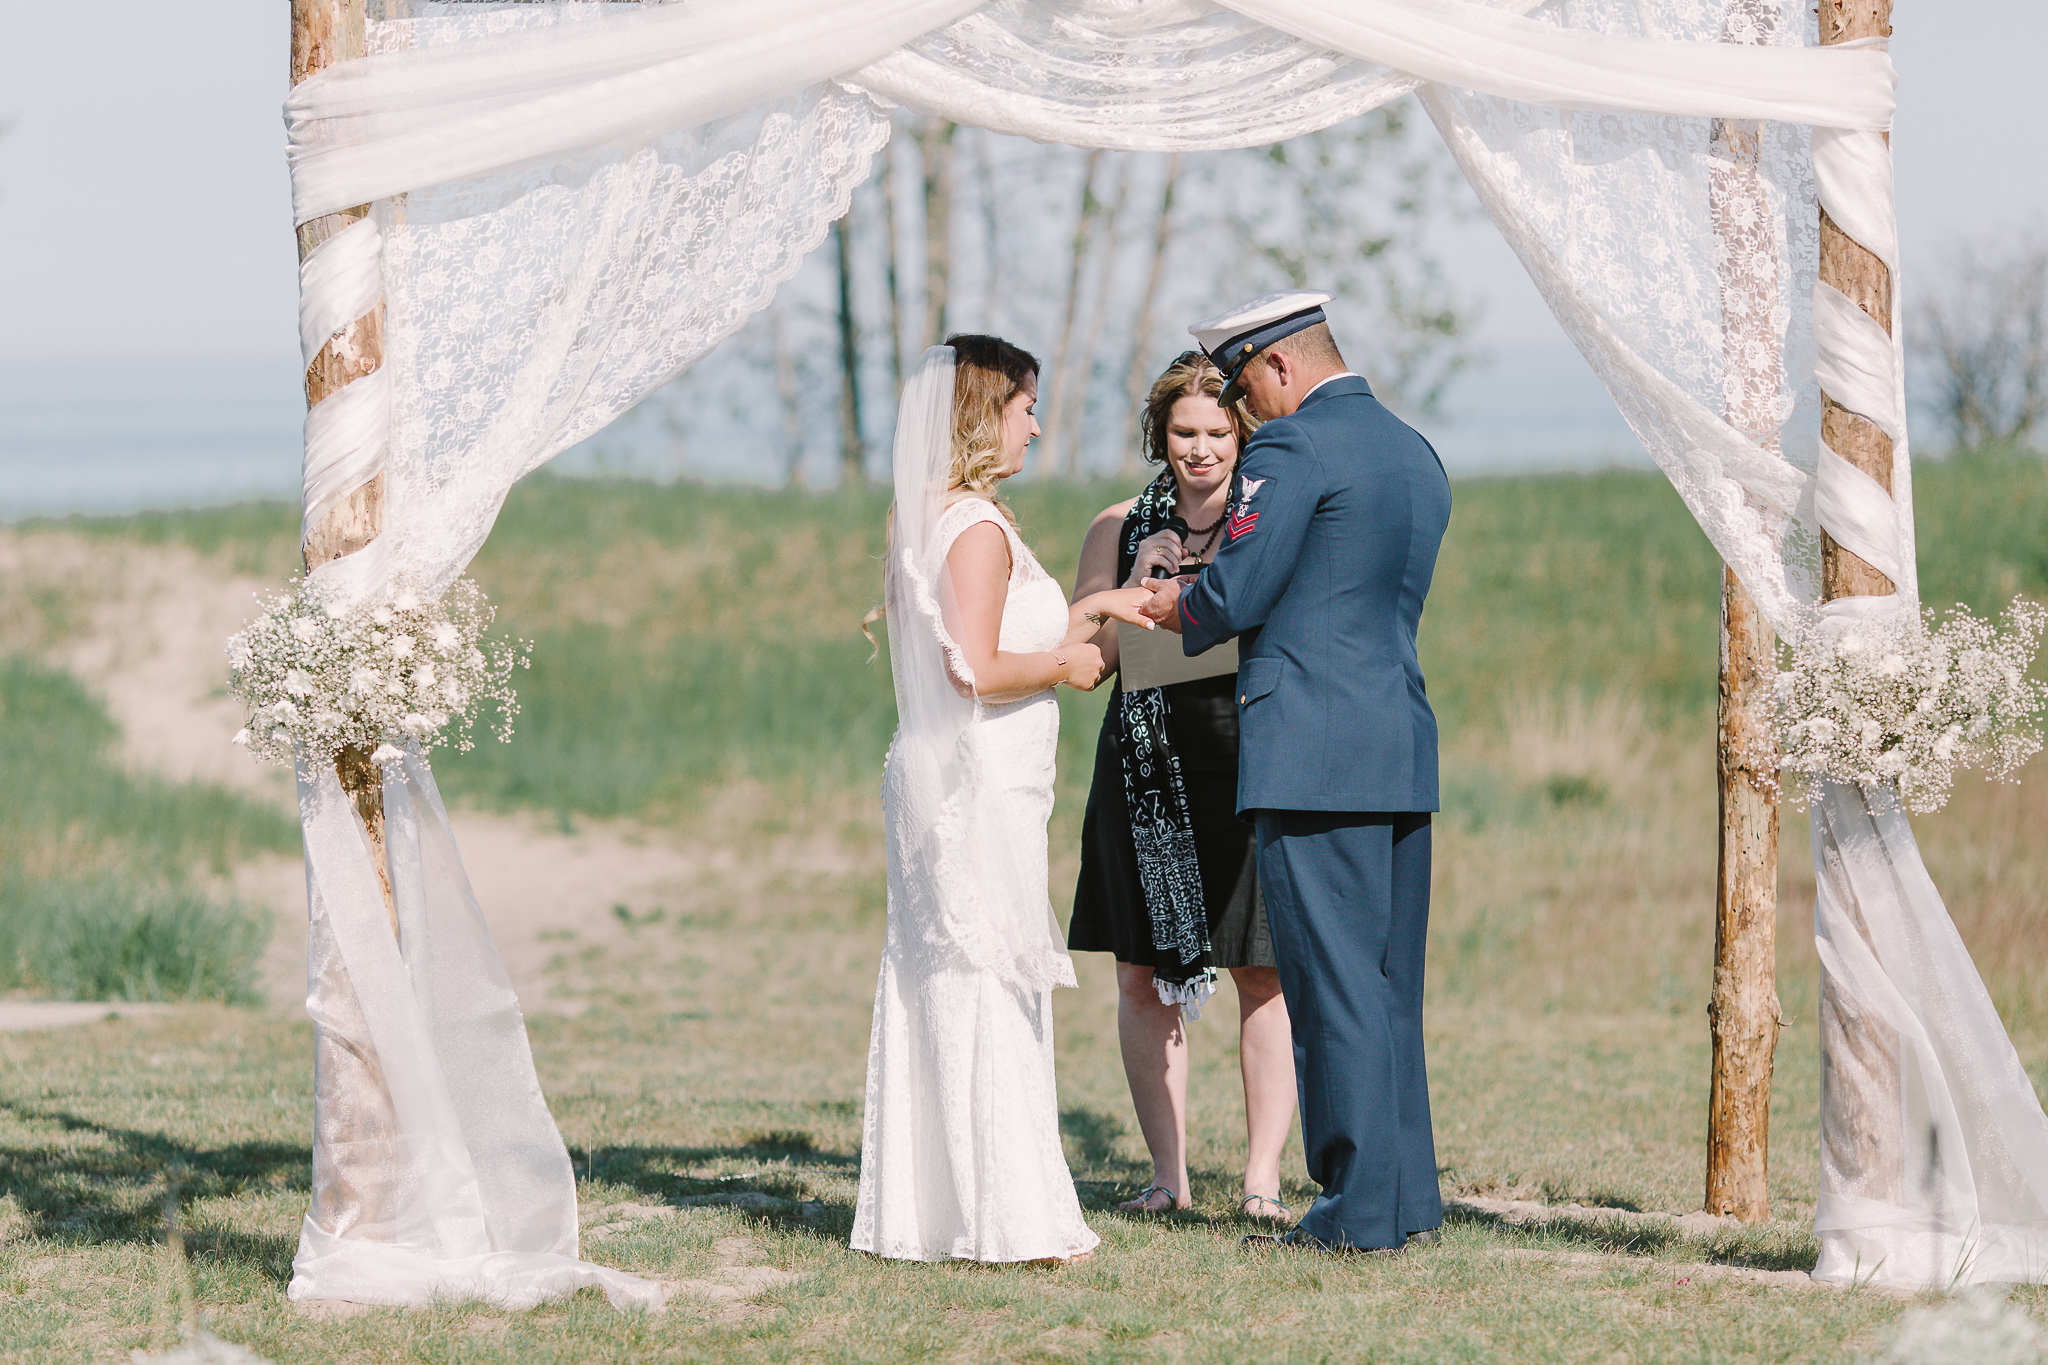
<point x="1980" y="330"/>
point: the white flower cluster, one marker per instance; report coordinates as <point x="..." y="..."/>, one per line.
<point x="319" y="676"/>
<point x="1904" y="703"/>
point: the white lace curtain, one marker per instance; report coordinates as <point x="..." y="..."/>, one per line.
<point x="575" y="201"/>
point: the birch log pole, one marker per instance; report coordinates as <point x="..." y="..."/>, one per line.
<point x="325" y="32"/>
<point x="1743" y="1011"/>
<point x="1860" y="1078"/>
<point x="1850" y="267"/>
<point x="357" y="1145"/>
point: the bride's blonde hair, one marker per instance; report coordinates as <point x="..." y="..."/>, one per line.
<point x="988" y="373"/>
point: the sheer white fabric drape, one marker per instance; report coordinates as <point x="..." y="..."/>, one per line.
<point x="438" y="1173"/>
<point x="578" y="200"/>
<point x="594" y="195"/>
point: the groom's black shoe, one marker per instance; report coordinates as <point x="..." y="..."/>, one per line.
<point x="1298" y="1240"/>
<point x="1428" y="1237"/>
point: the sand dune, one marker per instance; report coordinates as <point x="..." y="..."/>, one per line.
<point x="146" y="630"/>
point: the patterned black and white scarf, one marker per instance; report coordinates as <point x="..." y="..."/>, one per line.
<point x="1161" y="828"/>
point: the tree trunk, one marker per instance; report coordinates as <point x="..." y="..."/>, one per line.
<point x="935" y="144"/>
<point x="1743" y="1012"/>
<point x="789" y="399"/>
<point x="1135" y="379"/>
<point x="1051" y="457"/>
<point x="852" y="450"/>
<point x="1860" y="1079"/>
<point x="1081" y="367"/>
<point x="894" y="281"/>
<point x="991" y="238"/>
<point x="325" y="32"/>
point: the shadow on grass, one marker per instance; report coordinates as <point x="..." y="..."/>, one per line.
<point x="1770" y="1247"/>
<point x="1094" y="1132"/>
<point x="112" y="1191"/>
<point x="658" y="1171"/>
<point x="1554" y="1193"/>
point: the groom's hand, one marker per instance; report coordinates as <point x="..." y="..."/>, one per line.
<point x="1163" y="607"/>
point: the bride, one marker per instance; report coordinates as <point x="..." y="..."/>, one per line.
<point x="960" y="1145"/>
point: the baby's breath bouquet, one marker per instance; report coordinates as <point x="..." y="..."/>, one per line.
<point x="1904" y="702"/>
<point x="319" y="675"/>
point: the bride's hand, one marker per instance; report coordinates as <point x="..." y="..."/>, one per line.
<point x="1124" y="604"/>
<point x="1084" y="667"/>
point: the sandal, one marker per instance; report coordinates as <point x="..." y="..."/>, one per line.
<point x="1286" y="1215"/>
<point x="1137" y="1204"/>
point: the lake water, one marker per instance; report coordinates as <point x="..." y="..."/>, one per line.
<point x="113" y="437"/>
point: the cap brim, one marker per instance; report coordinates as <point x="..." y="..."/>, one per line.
<point x="1232" y="392"/>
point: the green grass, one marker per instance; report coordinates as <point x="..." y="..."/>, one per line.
<point x="725" y="642"/>
<point x="107" y="879"/>
<point x="722" y="1051"/>
<point x="687" y="637"/>
<point x="1982" y="523"/>
<point x="699" y="668"/>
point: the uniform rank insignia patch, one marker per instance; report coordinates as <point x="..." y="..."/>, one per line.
<point x="1241" y="518"/>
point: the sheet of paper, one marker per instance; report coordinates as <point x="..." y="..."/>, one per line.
<point x="1152" y="658"/>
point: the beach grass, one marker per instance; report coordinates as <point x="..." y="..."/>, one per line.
<point x="110" y="880"/>
<point x="699" y="669"/>
<point x="719" y="1059"/>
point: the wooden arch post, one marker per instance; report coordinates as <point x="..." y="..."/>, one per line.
<point x="357" y="1144"/>
<point x="325" y="32"/>
<point x="1852" y="268"/>
<point x="1742" y="1013"/>
<point x="1860" y="1069"/>
<point x="1744" y="1010"/>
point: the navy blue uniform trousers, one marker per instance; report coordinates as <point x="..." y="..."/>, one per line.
<point x="1347" y="896"/>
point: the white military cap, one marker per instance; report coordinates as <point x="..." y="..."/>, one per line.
<point x="1230" y="339"/>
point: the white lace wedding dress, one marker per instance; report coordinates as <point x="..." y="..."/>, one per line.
<point x="960" y="1146"/>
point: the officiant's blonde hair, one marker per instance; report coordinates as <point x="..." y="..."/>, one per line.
<point x="988" y="373"/>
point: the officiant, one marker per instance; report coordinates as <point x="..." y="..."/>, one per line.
<point x="1168" y="882"/>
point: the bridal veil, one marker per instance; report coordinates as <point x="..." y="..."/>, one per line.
<point x="959" y="859"/>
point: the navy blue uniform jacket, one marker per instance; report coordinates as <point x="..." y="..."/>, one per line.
<point x="1327" y="555"/>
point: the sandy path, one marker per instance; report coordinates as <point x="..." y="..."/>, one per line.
<point x="147" y="630"/>
<point x="530" y="880"/>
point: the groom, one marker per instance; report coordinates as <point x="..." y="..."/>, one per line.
<point x="1331" y="538"/>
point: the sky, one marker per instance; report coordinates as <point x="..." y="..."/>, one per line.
<point x="145" y="217"/>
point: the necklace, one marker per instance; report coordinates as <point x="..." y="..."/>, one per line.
<point x="1207" y="535"/>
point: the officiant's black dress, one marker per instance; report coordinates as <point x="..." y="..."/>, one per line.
<point x="1109" y="903"/>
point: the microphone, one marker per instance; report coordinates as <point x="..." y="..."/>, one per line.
<point x="1180" y="529"/>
